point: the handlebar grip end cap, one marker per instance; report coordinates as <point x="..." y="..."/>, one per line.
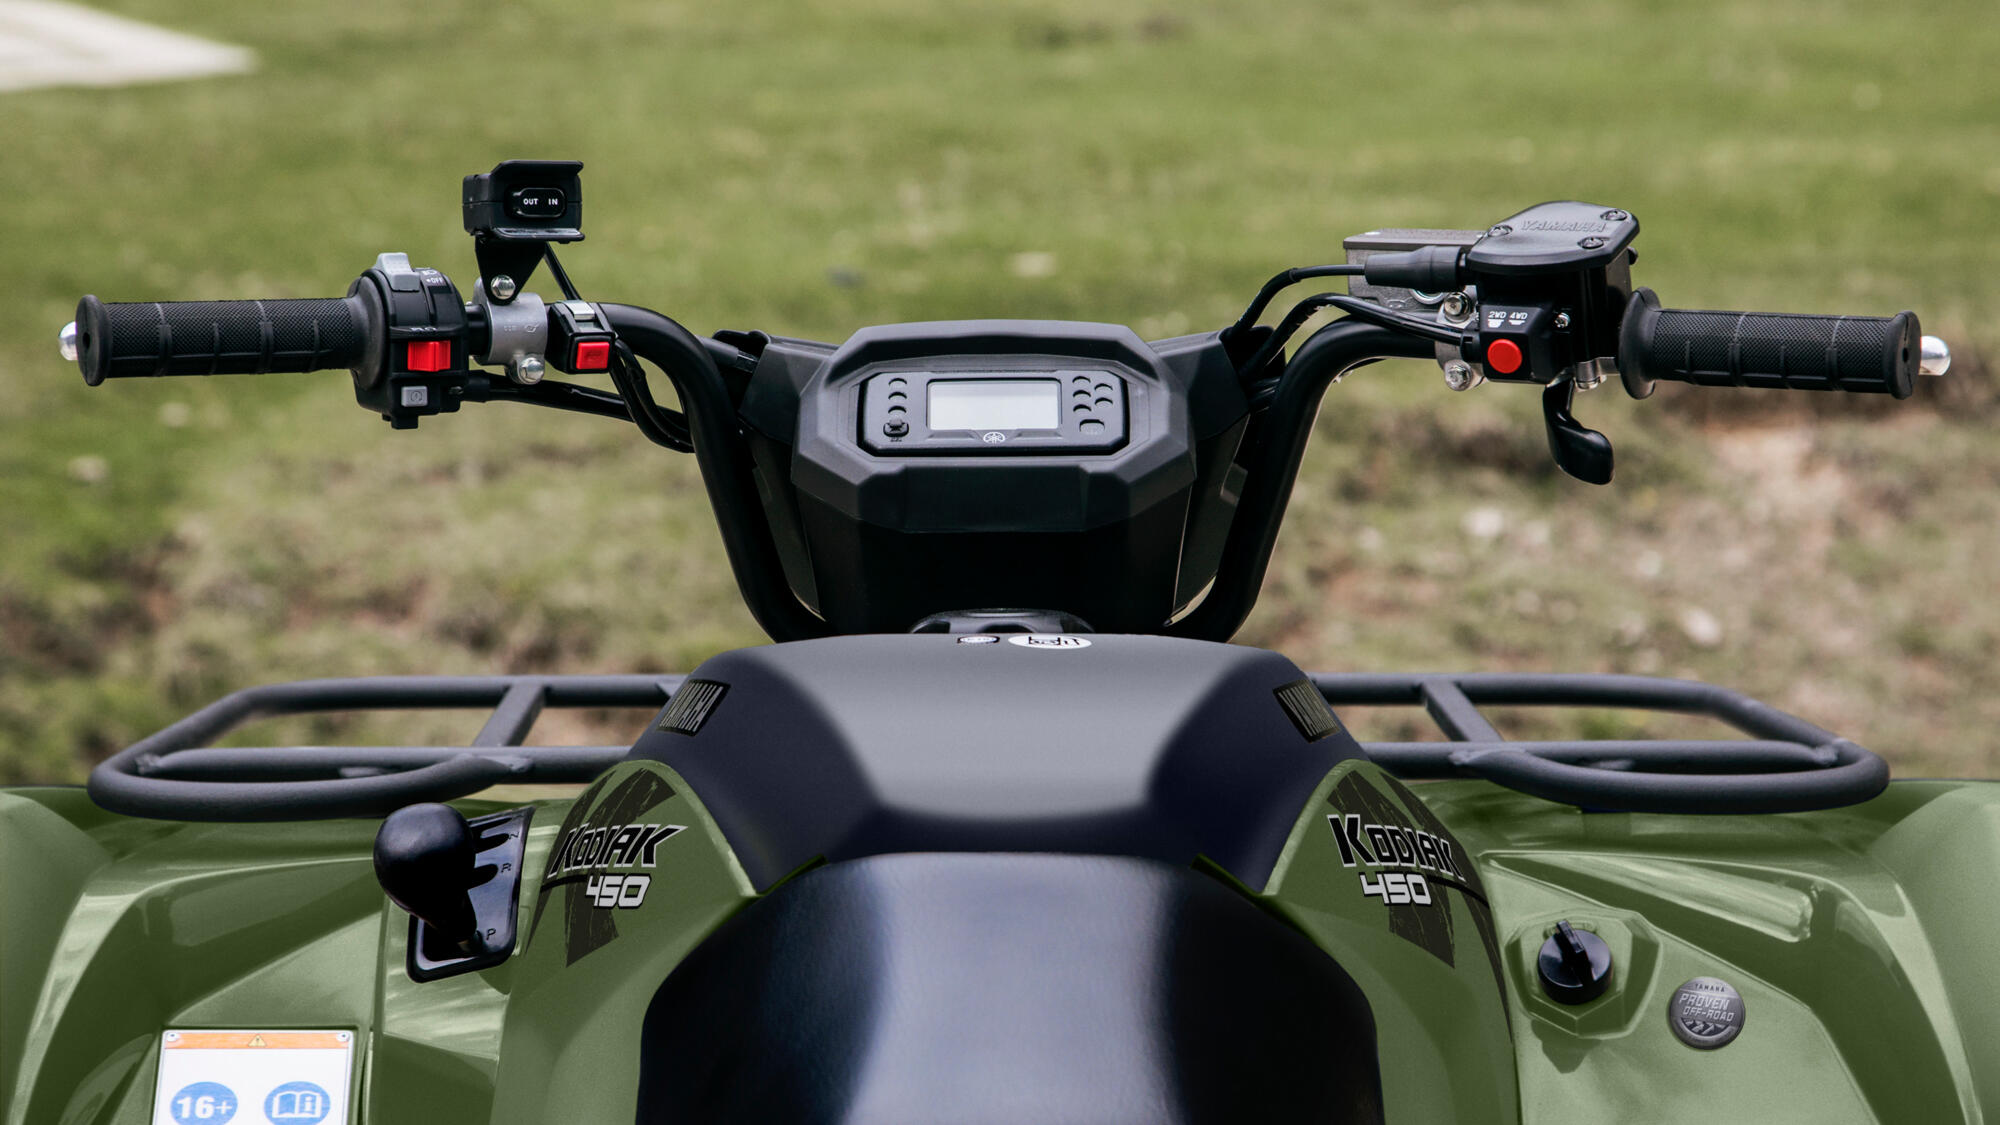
<point x="92" y="333"/>
<point x="1934" y="356"/>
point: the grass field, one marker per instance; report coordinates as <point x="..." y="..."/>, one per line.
<point x="808" y="168"/>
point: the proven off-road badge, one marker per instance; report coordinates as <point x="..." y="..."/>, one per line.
<point x="1706" y="1013"/>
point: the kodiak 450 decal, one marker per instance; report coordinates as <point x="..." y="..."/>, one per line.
<point x="1384" y="846"/>
<point x="1404" y="857"/>
<point x="594" y="852"/>
<point x="607" y="852"/>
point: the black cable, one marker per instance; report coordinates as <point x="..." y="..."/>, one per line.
<point x="661" y="426"/>
<point x="561" y="275"/>
<point x="1352" y="306"/>
<point x="1274" y="345"/>
<point x="1278" y="284"/>
<point x="1377" y="315"/>
<point x="550" y="393"/>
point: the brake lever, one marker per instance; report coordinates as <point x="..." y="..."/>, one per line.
<point x="1579" y="450"/>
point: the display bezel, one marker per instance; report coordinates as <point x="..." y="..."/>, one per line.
<point x="1090" y="413"/>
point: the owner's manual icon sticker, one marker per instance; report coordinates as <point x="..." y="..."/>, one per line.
<point x="285" y="1077"/>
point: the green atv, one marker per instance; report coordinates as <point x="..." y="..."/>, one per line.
<point x="1002" y="829"/>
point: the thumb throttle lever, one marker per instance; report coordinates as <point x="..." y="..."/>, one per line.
<point x="1579" y="451"/>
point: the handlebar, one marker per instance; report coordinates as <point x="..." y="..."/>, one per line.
<point x="121" y="341"/>
<point x="1866" y="354"/>
<point x="1526" y="301"/>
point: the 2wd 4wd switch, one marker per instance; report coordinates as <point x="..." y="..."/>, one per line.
<point x="1516" y="342"/>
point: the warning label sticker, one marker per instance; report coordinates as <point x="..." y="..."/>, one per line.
<point x="253" y="1078"/>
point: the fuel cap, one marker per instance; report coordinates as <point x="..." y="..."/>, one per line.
<point x="1575" y="965"/>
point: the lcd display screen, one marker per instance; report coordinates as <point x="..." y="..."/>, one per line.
<point x="994" y="404"/>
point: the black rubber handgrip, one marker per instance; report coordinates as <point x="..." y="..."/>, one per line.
<point x="119" y="341"/>
<point x="1873" y="354"/>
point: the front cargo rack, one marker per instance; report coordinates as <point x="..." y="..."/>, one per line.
<point x="1784" y="765"/>
<point x="171" y="775"/>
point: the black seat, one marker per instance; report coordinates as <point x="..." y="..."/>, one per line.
<point x="975" y="989"/>
<point x="1120" y="745"/>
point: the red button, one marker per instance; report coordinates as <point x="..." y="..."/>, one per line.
<point x="593" y="355"/>
<point x="1504" y="356"/>
<point x="428" y="355"/>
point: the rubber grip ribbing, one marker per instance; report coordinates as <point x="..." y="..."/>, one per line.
<point x="119" y="341"/>
<point x="1870" y="354"/>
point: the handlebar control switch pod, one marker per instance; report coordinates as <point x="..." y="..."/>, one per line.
<point x="1572" y="260"/>
<point x="431" y="342"/>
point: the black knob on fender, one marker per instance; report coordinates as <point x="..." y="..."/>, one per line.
<point x="424" y="857"/>
<point x="1575" y="965"/>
